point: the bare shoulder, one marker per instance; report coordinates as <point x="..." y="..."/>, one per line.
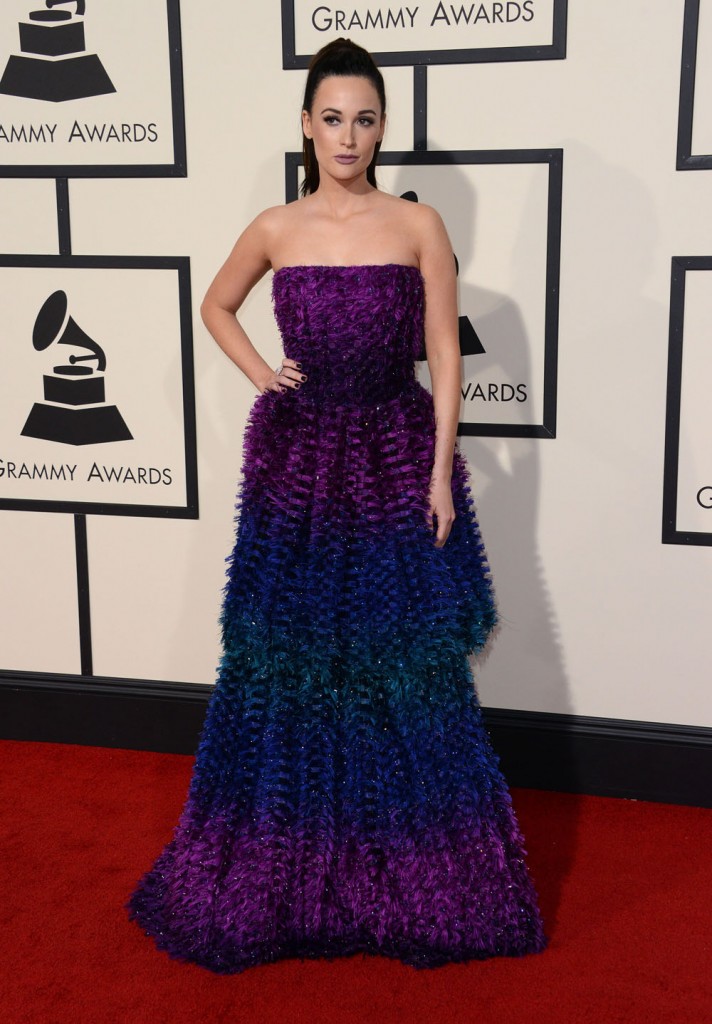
<point x="269" y="228"/>
<point x="274" y="220"/>
<point x="417" y="218"/>
<point x="425" y="218"/>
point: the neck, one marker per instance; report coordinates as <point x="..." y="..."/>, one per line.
<point x="342" y="198"/>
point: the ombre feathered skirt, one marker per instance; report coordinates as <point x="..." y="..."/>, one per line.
<point x="345" y="795"/>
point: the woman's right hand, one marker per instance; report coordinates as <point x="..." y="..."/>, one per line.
<point x="288" y="375"/>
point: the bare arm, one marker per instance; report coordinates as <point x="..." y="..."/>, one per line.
<point x="442" y="348"/>
<point x="248" y="262"/>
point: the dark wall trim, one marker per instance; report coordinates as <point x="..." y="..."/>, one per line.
<point x="569" y="753"/>
<point x="686" y="159"/>
<point x="83" y="602"/>
<point x="99" y="711"/>
<point x="604" y="756"/>
<point x="64" y="228"/>
<point x="420" y="107"/>
<point x="671" y="533"/>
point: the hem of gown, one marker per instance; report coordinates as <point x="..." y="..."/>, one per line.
<point x="417" y="955"/>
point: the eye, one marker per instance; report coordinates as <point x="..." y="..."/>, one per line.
<point x="367" y="120"/>
<point x="331" y="119"/>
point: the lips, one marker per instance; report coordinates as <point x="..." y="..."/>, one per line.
<point x="346" y="159"/>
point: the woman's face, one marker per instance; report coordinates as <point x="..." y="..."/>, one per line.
<point x="345" y="123"/>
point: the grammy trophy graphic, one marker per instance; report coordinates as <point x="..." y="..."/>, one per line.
<point x="74" y="409"/>
<point x="53" y="63"/>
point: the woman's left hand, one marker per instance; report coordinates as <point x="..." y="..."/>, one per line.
<point x="441" y="508"/>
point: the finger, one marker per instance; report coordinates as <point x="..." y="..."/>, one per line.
<point x="279" y="382"/>
<point x="291" y="368"/>
<point x="274" y="384"/>
<point x="293" y="378"/>
<point x="444" y="527"/>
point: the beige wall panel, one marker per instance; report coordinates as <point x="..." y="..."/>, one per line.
<point x="28" y="215"/>
<point x="38" y="597"/>
<point x="155" y="591"/>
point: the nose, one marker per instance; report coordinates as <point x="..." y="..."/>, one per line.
<point x="347" y="136"/>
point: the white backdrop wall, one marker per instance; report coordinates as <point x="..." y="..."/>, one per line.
<point x="599" y="617"/>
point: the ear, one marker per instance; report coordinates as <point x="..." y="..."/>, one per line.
<point x="306" y="123"/>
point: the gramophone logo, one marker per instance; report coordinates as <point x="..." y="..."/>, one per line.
<point x="74" y="409"/>
<point x="53" y="64"/>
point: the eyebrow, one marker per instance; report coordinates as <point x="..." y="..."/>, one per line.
<point x="335" y="111"/>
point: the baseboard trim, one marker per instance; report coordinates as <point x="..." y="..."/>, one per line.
<point x="540" y="750"/>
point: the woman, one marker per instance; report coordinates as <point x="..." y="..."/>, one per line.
<point x="345" y="795"/>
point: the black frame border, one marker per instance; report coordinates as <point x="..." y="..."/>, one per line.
<point x="670" y="532"/>
<point x="686" y="161"/>
<point x="181" y="264"/>
<point x="177" y="169"/>
<point x="555" y="160"/>
<point x="556" y="50"/>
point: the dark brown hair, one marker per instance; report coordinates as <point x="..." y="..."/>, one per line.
<point x="340" y="57"/>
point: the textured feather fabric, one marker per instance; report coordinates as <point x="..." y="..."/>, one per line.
<point x="345" y="795"/>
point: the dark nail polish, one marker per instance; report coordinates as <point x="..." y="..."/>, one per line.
<point x="303" y="377"/>
<point x="297" y="385"/>
<point x="299" y="366"/>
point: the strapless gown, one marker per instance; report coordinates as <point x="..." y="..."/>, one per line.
<point x="345" y="795"/>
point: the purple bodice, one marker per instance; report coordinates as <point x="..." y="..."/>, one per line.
<point x="356" y="330"/>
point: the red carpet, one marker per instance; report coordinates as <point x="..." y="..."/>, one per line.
<point x="625" y="890"/>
